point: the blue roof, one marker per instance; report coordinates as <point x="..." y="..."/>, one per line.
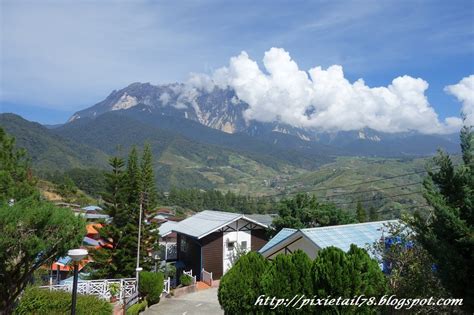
<point x="283" y="234"/>
<point x="64" y="260"/>
<point x="340" y="236"/>
<point x="90" y="241"/>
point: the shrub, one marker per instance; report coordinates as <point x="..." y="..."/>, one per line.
<point x="38" y="301"/>
<point x="185" y="280"/>
<point x="151" y="286"/>
<point x="135" y="309"/>
<point x="288" y="276"/>
<point x="241" y="286"/>
<point x="339" y="274"/>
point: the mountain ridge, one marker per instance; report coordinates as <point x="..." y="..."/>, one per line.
<point x="221" y="109"/>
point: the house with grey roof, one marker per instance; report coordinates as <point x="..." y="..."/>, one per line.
<point x="312" y="240"/>
<point x="209" y="240"/>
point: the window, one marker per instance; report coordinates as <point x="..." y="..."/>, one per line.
<point x="230" y="245"/>
<point x="243" y="245"/>
<point x="183" y="243"/>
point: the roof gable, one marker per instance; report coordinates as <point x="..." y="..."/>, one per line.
<point x="205" y="222"/>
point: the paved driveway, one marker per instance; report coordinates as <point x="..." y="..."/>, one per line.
<point x="202" y="302"/>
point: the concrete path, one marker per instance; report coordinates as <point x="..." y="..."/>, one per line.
<point x="201" y="302"/>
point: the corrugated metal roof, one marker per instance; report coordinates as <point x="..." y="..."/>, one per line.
<point x="342" y="236"/>
<point x="283" y="234"/>
<point x="266" y="219"/>
<point x="166" y="228"/>
<point x="207" y="221"/>
<point x="204" y="222"/>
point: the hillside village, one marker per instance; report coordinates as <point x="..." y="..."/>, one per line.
<point x="236" y="157"/>
<point x="205" y="253"/>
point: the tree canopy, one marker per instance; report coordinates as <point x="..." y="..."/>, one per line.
<point x="123" y="197"/>
<point x="448" y="232"/>
<point x="304" y="211"/>
<point x="16" y="180"/>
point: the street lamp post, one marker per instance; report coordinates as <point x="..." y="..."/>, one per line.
<point x="77" y="255"/>
<point x="138" y="268"/>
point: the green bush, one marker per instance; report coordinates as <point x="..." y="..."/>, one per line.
<point x="241" y="286"/>
<point x="287" y="276"/>
<point x="135" y="309"/>
<point x="39" y="301"/>
<point x="185" y="280"/>
<point x="151" y="286"/>
<point x="346" y="275"/>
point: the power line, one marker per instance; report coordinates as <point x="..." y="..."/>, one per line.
<point x="372" y="190"/>
<point x="354" y="184"/>
<point x="385" y="197"/>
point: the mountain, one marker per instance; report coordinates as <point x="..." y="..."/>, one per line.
<point x="222" y="110"/>
<point x="188" y="154"/>
<point x="46" y="149"/>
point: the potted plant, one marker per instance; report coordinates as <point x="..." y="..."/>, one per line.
<point x="114" y="289"/>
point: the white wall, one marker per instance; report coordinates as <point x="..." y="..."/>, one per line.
<point x="238" y="238"/>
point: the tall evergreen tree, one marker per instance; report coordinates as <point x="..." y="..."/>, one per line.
<point x="108" y="260"/>
<point x="150" y="195"/>
<point x="448" y="234"/>
<point x="361" y="214"/>
<point x="134" y="186"/>
<point x="373" y="214"/>
<point x="16" y="180"/>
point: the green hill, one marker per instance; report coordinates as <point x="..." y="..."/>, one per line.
<point x="47" y="150"/>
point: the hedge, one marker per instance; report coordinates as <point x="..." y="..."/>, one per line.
<point x="135" y="309"/>
<point x="150" y="286"/>
<point x="241" y="286"/>
<point x="39" y="301"/>
<point x="333" y="273"/>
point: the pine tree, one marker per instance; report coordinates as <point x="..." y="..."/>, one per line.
<point x="134" y="186"/>
<point x="150" y="195"/>
<point x="361" y="214"/>
<point x="448" y="233"/>
<point x="16" y="181"/>
<point x="109" y="259"/>
<point x="373" y="214"/>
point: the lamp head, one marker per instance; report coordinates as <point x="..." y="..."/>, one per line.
<point x="77" y="254"/>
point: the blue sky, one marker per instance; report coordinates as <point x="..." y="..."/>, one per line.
<point x="61" y="56"/>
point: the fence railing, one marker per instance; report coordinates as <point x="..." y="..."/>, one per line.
<point x="167" y="285"/>
<point x="206" y="277"/>
<point x="128" y="302"/>
<point x="101" y="288"/>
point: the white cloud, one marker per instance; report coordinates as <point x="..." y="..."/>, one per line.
<point x="324" y="99"/>
<point x="464" y="92"/>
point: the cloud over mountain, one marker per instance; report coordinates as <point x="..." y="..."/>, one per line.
<point x="324" y="99"/>
<point x="464" y="92"/>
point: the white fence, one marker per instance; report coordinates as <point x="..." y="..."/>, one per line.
<point x="167" y="285"/>
<point x="101" y="288"/>
<point x="190" y="273"/>
<point x="206" y="277"/>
